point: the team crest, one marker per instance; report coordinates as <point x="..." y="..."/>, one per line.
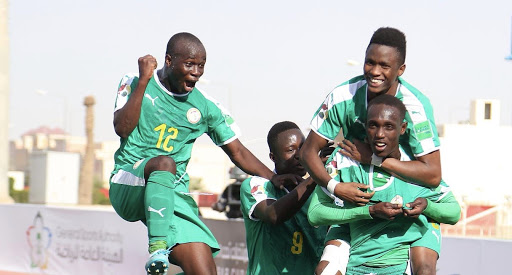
<point x="137" y="164"/>
<point x="193" y="115"/>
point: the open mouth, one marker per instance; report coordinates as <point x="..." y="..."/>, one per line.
<point x="379" y="146"/>
<point x="375" y="82"/>
<point x="189" y="85"/>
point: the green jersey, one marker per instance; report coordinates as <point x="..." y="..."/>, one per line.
<point x="169" y="124"/>
<point x="293" y="247"/>
<point x="378" y="242"/>
<point x="345" y="107"/>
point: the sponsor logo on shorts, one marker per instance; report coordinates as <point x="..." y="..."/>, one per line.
<point x="193" y="115"/>
<point x="137" y="164"/>
<point x="257" y="190"/>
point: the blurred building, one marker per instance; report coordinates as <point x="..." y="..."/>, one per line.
<point x="474" y="159"/>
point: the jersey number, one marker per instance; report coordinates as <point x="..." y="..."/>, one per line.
<point x="173" y="133"/>
<point x="297" y="241"/>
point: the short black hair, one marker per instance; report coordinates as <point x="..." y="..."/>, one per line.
<point x="182" y="36"/>
<point x="276" y="130"/>
<point x="391" y="37"/>
<point x="389" y="100"/>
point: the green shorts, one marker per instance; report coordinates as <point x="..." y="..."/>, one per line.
<point x="388" y="270"/>
<point x="126" y="193"/>
<point x="431" y="239"/>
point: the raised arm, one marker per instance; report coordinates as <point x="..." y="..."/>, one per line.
<point x="126" y="118"/>
<point x="310" y="159"/>
<point x="278" y="211"/>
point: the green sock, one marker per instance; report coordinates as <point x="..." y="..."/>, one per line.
<point x="159" y="207"/>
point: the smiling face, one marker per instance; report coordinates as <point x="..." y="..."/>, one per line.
<point x="285" y="153"/>
<point x="382" y="67"/>
<point x="384" y="127"/>
<point x="185" y="67"/>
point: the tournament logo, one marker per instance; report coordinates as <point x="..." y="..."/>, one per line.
<point x="193" y="115"/>
<point x="332" y="168"/>
<point x="39" y="238"/>
<point x="124" y="90"/>
<point x="323" y="113"/>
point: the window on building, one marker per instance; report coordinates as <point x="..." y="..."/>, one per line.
<point x="487" y="111"/>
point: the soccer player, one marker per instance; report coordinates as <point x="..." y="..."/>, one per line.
<point x="380" y="236"/>
<point x="345" y="108"/>
<point x="158" y="116"/>
<point x="279" y="236"/>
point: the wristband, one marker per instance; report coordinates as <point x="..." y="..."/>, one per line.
<point x="376" y="161"/>
<point x="331" y="185"/>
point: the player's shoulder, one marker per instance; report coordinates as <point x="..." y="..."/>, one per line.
<point x="253" y="181"/>
<point x="412" y="96"/>
<point x="126" y="84"/>
<point x="129" y="78"/>
<point x="349" y="89"/>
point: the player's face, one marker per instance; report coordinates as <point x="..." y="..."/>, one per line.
<point x="186" y="67"/>
<point x="286" y="155"/>
<point x="384" y="128"/>
<point x="382" y="67"/>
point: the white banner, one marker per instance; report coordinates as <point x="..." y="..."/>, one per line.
<point x="56" y="240"/>
<point x="41" y="239"/>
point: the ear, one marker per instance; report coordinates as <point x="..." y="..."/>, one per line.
<point x="401" y="70"/>
<point x="404" y="127"/>
<point x="271" y="156"/>
<point x="168" y="60"/>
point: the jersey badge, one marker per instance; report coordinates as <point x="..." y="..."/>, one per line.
<point x="332" y="168"/>
<point x="423" y="130"/>
<point x="323" y="113"/>
<point x="124" y="90"/>
<point x="229" y="119"/>
<point x="193" y="115"/>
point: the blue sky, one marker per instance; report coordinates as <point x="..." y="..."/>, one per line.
<point x="267" y="61"/>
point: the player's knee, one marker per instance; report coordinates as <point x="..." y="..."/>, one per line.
<point x="161" y="163"/>
<point x="327" y="268"/>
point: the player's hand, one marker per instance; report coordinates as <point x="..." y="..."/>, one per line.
<point x="147" y="64"/>
<point x="352" y="192"/>
<point x="385" y="210"/>
<point x="287" y="180"/>
<point x="358" y="151"/>
<point x="326" y="152"/>
<point x="417" y="207"/>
